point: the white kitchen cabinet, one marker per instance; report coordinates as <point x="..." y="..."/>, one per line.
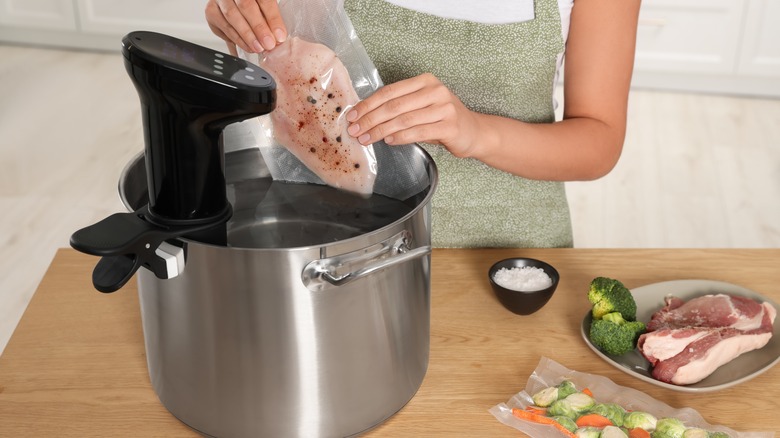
<point x="760" y="54"/>
<point x="47" y="14"/>
<point x="688" y="36"/>
<point x="101" y="24"/>
<point x="722" y="46"/>
<point x="181" y="18"/>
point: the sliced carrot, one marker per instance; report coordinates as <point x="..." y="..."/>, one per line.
<point x="536" y="410"/>
<point x="531" y="416"/>
<point x="593" y="420"/>
<point x="587" y="392"/>
<point x="638" y="432"/>
<point x="541" y="419"/>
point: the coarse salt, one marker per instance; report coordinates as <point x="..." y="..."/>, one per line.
<point x="525" y="279"/>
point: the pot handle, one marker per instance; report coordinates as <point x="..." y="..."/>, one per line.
<point x="345" y="268"/>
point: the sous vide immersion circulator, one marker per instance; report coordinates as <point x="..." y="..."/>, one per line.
<point x="188" y="94"/>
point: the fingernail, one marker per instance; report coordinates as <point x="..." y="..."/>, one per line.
<point x="256" y="45"/>
<point x="389" y="139"/>
<point x="268" y="42"/>
<point x="353" y="129"/>
<point x="281" y="36"/>
<point x="364" y="138"/>
<point x="351" y="116"/>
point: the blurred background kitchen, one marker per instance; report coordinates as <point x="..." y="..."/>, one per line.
<point x="700" y="167"/>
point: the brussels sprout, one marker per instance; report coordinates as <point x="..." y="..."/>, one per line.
<point x="639" y="419"/>
<point x="566" y="422"/>
<point x="719" y="435"/>
<point x="613" y="411"/>
<point x="668" y="428"/>
<point x="550" y="394"/>
<point x="695" y="432"/>
<point x="565" y="389"/>
<point x="613" y="432"/>
<point x="581" y="402"/>
<point x="546" y="396"/>
<point x="588" y="432"/>
<point x="562" y="408"/>
<point x="571" y="406"/>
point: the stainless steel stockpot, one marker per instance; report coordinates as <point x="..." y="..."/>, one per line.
<point x="320" y="340"/>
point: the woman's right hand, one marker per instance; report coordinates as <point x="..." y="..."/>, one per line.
<point x="253" y="25"/>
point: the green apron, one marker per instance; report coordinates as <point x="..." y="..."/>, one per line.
<point x="506" y="70"/>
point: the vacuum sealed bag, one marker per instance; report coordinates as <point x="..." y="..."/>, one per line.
<point x="544" y="387"/>
<point x="321" y="72"/>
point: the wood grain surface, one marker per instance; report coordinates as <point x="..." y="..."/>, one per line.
<point x="76" y="367"/>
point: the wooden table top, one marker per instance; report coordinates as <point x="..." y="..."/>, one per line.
<point x="76" y="366"/>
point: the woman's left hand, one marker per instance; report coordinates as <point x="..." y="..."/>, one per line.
<point x="418" y="109"/>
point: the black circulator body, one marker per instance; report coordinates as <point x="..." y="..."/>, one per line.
<point x="189" y="94"/>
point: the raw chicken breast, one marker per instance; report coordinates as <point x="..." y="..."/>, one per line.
<point x="314" y="92"/>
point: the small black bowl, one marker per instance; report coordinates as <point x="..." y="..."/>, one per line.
<point x="522" y="302"/>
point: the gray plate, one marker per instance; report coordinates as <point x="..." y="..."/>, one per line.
<point x="650" y="298"/>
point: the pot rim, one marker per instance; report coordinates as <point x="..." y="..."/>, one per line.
<point x="379" y="232"/>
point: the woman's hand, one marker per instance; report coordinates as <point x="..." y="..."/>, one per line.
<point x="253" y="25"/>
<point x="585" y="145"/>
<point x="418" y="109"/>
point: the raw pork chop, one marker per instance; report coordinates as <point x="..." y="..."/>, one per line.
<point x="687" y="341"/>
<point x="709" y="311"/>
<point x="313" y="93"/>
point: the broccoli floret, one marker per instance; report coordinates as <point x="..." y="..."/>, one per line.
<point x="614" y="335"/>
<point x="608" y="295"/>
